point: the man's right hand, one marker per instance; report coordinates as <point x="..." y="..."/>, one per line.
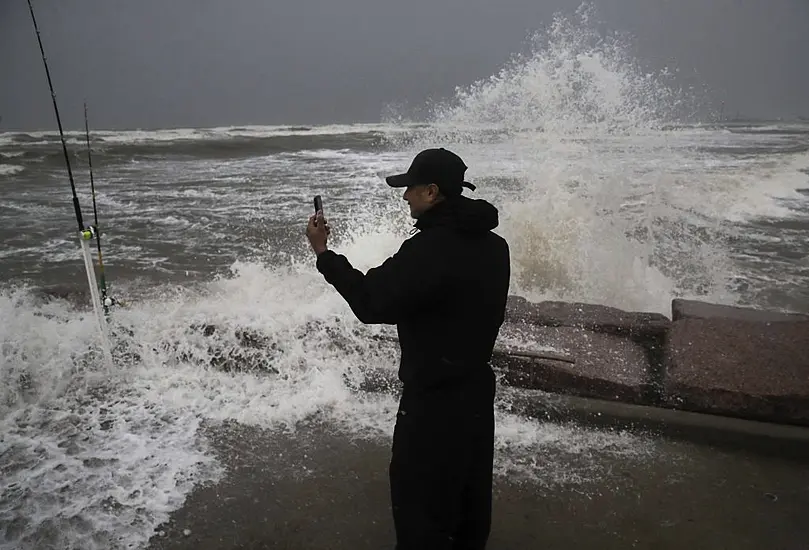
<point x="317" y="231"/>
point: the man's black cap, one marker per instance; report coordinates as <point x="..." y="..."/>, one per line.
<point x="439" y="166"/>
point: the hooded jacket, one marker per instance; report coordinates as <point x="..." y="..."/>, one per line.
<point x="445" y="290"/>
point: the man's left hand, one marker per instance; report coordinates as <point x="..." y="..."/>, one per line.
<point x="318" y="232"/>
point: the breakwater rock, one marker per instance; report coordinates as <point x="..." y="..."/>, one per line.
<point x="734" y="361"/>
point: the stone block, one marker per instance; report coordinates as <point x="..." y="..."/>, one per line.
<point x="606" y="366"/>
<point x="597" y="318"/>
<point x="756" y="370"/>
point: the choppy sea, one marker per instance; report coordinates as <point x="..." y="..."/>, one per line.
<point x="602" y="197"/>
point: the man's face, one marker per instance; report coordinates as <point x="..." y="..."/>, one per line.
<point x="421" y="198"/>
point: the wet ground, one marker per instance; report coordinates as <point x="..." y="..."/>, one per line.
<point x="321" y="490"/>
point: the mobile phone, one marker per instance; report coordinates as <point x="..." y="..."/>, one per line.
<point x="318" y="204"/>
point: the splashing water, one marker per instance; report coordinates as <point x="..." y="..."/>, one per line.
<point x="599" y="201"/>
<point x="575" y="81"/>
<point x="96" y="459"/>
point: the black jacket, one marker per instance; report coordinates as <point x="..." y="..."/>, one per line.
<point x="445" y="289"/>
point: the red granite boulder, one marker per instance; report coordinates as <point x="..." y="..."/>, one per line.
<point x="647" y="330"/>
<point x="606" y="366"/>
<point x="743" y="368"/>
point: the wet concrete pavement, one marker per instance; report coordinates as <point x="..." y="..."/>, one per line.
<point x="322" y="490"/>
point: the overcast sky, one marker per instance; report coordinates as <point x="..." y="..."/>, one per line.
<point x="191" y="63"/>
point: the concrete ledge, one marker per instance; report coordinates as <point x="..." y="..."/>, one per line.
<point x="766" y="438"/>
<point x="763" y="438"/>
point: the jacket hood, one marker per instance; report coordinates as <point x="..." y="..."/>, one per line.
<point x="461" y="213"/>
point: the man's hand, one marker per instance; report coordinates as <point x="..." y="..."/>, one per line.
<point x="318" y="232"/>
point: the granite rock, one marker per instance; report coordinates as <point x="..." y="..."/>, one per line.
<point x="597" y="318"/>
<point x="756" y="370"/>
<point x="606" y="366"/>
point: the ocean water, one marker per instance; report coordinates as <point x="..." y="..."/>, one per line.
<point x="605" y="195"/>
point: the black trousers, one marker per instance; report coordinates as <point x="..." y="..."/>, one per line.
<point x="441" y="468"/>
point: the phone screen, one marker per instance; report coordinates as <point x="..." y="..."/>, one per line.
<point x="318" y="204"/>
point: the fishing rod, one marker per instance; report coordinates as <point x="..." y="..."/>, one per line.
<point x="107" y="302"/>
<point x="85" y="233"/>
<point x="76" y="206"/>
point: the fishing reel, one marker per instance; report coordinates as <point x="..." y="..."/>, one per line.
<point x="111" y="301"/>
<point x="89" y="233"/>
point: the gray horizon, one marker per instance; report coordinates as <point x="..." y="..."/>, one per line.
<point x="203" y="63"/>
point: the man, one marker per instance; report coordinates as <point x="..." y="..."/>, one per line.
<point x="445" y="290"/>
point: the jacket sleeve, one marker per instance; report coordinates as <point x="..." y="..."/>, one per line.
<point x="407" y="281"/>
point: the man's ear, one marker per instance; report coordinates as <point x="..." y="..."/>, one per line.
<point x="435" y="192"/>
